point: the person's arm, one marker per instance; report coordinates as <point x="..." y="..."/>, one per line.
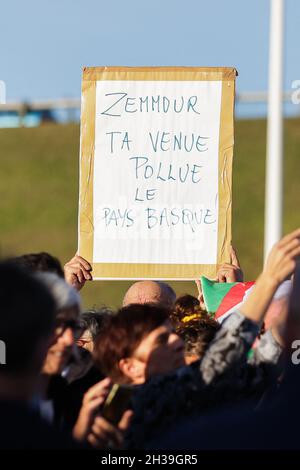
<point x="238" y="332"/>
<point x="281" y="263"/>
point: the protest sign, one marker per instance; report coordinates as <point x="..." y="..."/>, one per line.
<point x="155" y="171"/>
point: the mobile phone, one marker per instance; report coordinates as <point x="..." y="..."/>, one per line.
<point x="116" y="403"/>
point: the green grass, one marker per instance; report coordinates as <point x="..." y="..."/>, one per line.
<point x="39" y="196"/>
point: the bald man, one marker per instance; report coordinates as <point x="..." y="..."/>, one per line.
<point x="145" y="292"/>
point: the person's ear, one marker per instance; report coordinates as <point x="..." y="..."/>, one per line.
<point x="133" y="369"/>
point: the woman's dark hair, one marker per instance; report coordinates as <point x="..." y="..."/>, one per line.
<point x="195" y="326"/>
<point x="123" y="333"/>
<point x="94" y="320"/>
<point x="197" y="335"/>
<point x="187" y="307"/>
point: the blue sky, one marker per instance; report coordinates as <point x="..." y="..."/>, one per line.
<point x="45" y="43"/>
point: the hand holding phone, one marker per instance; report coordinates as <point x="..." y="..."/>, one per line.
<point x="116" y="403"/>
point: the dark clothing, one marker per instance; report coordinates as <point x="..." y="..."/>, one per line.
<point x="79" y="364"/>
<point x="222" y="376"/>
<point x="66" y="399"/>
<point x="22" y="428"/>
<point x="274" y="427"/>
<point x="74" y="395"/>
<point x="56" y="394"/>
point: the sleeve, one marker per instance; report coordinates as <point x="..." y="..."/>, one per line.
<point x="268" y="350"/>
<point x="229" y="347"/>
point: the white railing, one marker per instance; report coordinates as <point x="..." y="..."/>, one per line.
<point x="74" y="103"/>
<point x="43" y="105"/>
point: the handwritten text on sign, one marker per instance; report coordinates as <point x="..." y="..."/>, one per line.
<point x="156" y="171"/>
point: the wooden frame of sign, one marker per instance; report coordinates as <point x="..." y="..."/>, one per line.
<point x="133" y="221"/>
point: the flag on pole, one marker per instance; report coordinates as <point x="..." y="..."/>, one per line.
<point x="223" y="298"/>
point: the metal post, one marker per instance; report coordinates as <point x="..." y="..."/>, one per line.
<point x="273" y="195"/>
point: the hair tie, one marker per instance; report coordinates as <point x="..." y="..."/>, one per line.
<point x="188" y="318"/>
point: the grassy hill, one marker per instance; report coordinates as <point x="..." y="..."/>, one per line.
<point x="39" y="196"/>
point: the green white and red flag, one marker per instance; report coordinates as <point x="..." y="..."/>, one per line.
<point x="223" y="298"/>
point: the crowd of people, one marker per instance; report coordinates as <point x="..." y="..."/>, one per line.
<point x="159" y="373"/>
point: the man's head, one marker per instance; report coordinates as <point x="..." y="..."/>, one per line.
<point x="26" y="322"/>
<point x="40" y="262"/>
<point x="150" y="292"/>
<point x="137" y="343"/>
<point x="66" y="328"/>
